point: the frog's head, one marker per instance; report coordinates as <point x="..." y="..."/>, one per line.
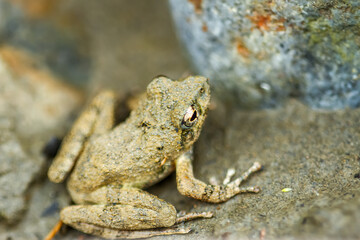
<point x="182" y="104"/>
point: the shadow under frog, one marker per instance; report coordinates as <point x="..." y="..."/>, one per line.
<point x="110" y="165"/>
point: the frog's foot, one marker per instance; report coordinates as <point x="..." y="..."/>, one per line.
<point x="189" y="186"/>
<point x="181" y="217"/>
<point x="231" y="172"/>
<point x="237" y="182"/>
<point x="111" y="233"/>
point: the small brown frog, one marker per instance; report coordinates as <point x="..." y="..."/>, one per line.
<point x="110" y="165"/>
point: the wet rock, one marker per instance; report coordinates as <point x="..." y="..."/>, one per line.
<point x="258" y="53"/>
<point x="34" y="106"/>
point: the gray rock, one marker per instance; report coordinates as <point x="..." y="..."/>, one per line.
<point x="42" y="214"/>
<point x="34" y="107"/>
<point x="259" y="53"/>
<point x="14" y="162"/>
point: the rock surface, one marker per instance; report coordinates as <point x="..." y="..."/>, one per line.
<point x="34" y="107"/>
<point x="258" y="53"/>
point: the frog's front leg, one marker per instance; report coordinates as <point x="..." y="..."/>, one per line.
<point x="123" y="213"/>
<point x="97" y="118"/>
<point x="189" y="186"/>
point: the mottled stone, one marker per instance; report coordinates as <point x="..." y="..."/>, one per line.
<point x="14" y="162"/>
<point x="41" y="215"/>
<point x="258" y="53"/>
<point x="34" y="106"/>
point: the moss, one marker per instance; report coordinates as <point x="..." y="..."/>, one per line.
<point x="336" y="26"/>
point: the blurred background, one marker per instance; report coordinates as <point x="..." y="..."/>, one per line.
<point x="259" y="55"/>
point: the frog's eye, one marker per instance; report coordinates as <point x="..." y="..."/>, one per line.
<point x="190" y="117"/>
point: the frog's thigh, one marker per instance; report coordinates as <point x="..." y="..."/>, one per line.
<point x="130" y="210"/>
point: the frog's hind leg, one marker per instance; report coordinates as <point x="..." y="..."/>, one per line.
<point x="125" y="213"/>
<point x="97" y="118"/>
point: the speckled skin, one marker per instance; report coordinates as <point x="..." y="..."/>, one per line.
<point x="112" y="165"/>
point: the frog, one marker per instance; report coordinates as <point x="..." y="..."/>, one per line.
<point x="108" y="166"/>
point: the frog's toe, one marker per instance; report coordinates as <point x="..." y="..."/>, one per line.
<point x="191" y="216"/>
<point x="229" y="174"/>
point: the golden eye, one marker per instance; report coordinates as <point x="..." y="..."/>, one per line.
<point x="190" y="117"/>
